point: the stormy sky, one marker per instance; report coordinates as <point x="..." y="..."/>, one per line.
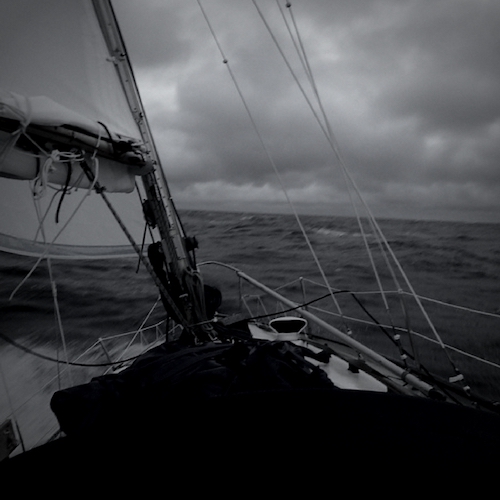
<point x="411" y="89"/>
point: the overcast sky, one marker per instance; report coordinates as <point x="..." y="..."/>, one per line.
<point x="411" y="89"/>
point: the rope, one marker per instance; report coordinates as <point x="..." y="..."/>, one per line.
<point x="290" y="309"/>
<point x="32" y="352"/>
<point x="48" y="246"/>
<point x="134" y="245"/>
<point x="53" y="287"/>
<point x="38" y="191"/>
<point x="421" y="297"/>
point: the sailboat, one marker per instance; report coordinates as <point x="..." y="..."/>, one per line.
<point x="81" y="178"/>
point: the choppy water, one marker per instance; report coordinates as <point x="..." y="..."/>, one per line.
<point x="450" y="261"/>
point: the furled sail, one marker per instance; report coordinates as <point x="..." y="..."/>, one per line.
<point x="66" y="127"/>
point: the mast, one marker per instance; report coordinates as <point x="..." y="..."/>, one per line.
<point x="180" y="277"/>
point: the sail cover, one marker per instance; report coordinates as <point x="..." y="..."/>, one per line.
<point x="62" y="104"/>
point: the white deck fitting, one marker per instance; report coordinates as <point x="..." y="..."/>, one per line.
<point x="336" y="369"/>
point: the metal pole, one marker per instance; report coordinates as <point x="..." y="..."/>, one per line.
<point x="106" y="353"/>
<point x="370" y="354"/>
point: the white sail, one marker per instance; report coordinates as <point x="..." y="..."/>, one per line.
<point x="60" y="86"/>
<point x="58" y="51"/>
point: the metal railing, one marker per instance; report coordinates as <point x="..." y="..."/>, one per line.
<point x="320" y="312"/>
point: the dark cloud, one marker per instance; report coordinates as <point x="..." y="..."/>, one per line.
<point x="155" y="32"/>
<point x="411" y="89"/>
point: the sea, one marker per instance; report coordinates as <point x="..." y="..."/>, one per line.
<point x="450" y="262"/>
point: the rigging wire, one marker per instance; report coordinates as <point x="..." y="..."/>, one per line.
<point x="328" y="132"/>
<point x="146" y="263"/>
<point x="269" y="157"/>
<point x="141" y="326"/>
<point x="326" y="127"/>
<point x="325" y="124"/>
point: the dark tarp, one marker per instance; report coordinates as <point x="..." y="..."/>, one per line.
<point x="251" y="412"/>
<point x="172" y="375"/>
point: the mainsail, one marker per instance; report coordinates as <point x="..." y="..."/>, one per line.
<point x="73" y="139"/>
<point x="63" y="107"/>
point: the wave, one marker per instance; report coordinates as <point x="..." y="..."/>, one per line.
<point x="269" y="246"/>
<point x="330" y="233"/>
